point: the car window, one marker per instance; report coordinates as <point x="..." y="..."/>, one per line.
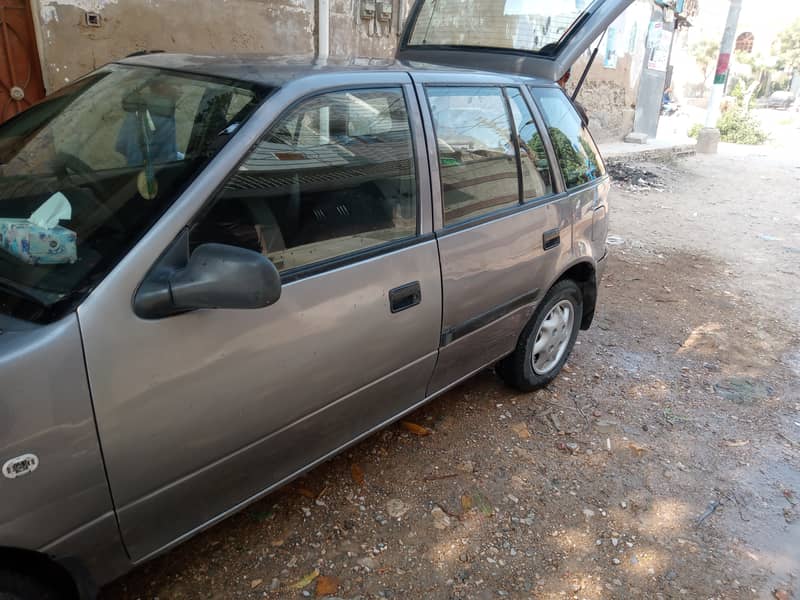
<point x="536" y="177"/>
<point x="85" y="173"/>
<point x="477" y="159"/>
<point x="577" y="154"/>
<point x="334" y="176"/>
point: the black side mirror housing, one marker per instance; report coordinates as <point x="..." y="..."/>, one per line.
<point x="214" y="276"/>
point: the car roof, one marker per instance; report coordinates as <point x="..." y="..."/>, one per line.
<point x="276" y="71"/>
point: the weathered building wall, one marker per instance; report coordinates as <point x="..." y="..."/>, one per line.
<point x="611" y="88"/>
<point x="70" y="48"/>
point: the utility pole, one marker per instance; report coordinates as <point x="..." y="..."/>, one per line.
<point x="709" y="136"/>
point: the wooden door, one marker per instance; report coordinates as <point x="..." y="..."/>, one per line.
<point x="21" y="82"/>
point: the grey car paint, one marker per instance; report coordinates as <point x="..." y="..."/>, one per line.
<point x="199" y="414"/>
<point x="46" y="411"/>
<point x="242" y="387"/>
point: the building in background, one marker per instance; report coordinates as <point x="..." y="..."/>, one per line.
<point x="612" y="86"/>
<point x="54" y="42"/>
<point x="759" y="24"/>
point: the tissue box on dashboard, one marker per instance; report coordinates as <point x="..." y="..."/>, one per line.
<point x="37" y="245"/>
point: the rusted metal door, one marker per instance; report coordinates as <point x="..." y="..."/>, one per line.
<point x="21" y="82"/>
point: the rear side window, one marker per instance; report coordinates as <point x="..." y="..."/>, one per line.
<point x="334" y="176"/>
<point x="477" y="158"/>
<point x="536" y="179"/>
<point x="577" y="153"/>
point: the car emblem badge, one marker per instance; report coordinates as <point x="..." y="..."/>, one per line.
<point x="21" y="465"/>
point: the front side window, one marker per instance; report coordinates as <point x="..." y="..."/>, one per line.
<point x="477" y="157"/>
<point x="536" y="179"/>
<point x="576" y="151"/>
<point x="84" y="174"/>
<point x="333" y="177"/>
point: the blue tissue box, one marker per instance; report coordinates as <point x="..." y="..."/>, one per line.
<point x="37" y="245"/>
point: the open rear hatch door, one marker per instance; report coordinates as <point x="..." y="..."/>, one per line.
<point x="542" y="38"/>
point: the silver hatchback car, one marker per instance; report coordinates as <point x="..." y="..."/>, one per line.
<point x="218" y="272"/>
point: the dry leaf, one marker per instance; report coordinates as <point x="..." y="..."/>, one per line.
<point x="303" y="491"/>
<point x="781" y="595"/>
<point x="357" y="473"/>
<point x="300" y="584"/>
<point x="415" y="429"/>
<point x="327" y="585"/>
<point x="255" y="583"/>
<point x="521" y="430"/>
<point x="736" y="444"/>
<point x="639" y="450"/>
<point x="466" y="503"/>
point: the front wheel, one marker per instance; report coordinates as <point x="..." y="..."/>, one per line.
<point x="547" y="340"/>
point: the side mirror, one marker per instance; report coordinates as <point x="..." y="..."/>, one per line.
<point x="214" y="276"/>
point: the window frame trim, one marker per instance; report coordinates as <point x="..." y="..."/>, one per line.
<point x="434" y="151"/>
<point x="555" y="177"/>
<point x="510" y="211"/>
<point x="356" y="256"/>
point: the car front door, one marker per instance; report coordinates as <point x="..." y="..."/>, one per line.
<point x="201" y="412"/>
<point x="503" y="229"/>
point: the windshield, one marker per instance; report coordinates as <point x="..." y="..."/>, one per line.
<point x="84" y="174"/>
<point x="529" y="25"/>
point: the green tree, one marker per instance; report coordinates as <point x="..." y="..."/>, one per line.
<point x="787" y="47"/>
<point x="705" y="54"/>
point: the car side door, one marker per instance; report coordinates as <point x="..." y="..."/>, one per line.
<point x="583" y="172"/>
<point x="503" y="229"/>
<point x="202" y="412"/>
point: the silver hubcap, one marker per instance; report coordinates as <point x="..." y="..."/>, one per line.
<point x="553" y="337"/>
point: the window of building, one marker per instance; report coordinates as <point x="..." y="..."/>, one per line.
<point x="576" y="152"/>
<point x="334" y="176"/>
<point x="477" y="159"/>
<point x="536" y="177"/>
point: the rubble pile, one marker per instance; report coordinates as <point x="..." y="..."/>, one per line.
<point x="634" y="178"/>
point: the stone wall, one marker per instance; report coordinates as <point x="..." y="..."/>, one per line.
<point x="610" y="113"/>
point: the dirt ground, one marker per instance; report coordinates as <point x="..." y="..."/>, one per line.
<point x="663" y="463"/>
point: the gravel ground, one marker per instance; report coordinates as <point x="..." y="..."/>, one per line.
<point x="663" y="463"/>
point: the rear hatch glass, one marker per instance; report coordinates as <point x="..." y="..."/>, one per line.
<point x="531" y="37"/>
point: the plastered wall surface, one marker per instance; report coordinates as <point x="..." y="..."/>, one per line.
<point x="70" y="48"/>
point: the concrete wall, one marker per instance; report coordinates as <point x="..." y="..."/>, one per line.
<point x="70" y="48"/>
<point x="610" y="92"/>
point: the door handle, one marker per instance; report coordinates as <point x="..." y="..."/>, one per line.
<point x="551" y="239"/>
<point x="404" y="297"/>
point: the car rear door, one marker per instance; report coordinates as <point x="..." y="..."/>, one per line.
<point x="582" y="169"/>
<point x="503" y="229"/>
<point x="527" y="37"/>
<point x="201" y="412"/>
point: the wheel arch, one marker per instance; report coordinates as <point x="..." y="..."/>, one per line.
<point x="41" y="567"/>
<point x="584" y="274"/>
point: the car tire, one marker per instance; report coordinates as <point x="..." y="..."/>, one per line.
<point x="18" y="586"/>
<point x="557" y="321"/>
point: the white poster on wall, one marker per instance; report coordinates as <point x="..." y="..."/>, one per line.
<point x="658" y="43"/>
